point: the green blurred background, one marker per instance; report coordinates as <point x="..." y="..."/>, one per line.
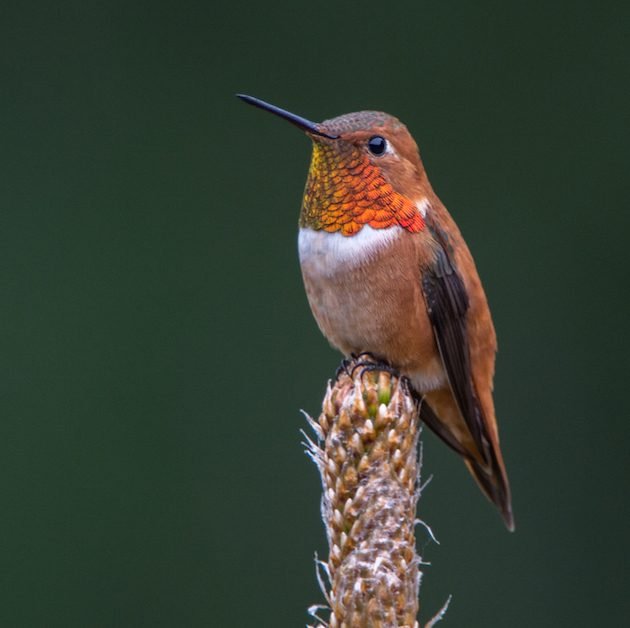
<point x="156" y="344"/>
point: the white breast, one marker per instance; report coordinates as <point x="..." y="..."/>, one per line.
<point x="325" y="252"/>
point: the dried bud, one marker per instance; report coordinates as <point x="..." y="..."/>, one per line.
<point x="368" y="461"/>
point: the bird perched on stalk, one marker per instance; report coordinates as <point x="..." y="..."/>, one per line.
<point x="387" y="272"/>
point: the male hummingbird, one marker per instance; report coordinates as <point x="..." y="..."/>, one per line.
<point x="387" y="272"/>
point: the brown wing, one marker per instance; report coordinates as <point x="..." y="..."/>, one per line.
<point x="447" y="305"/>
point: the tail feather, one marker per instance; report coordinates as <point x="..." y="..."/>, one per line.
<point x="485" y="466"/>
<point x="493" y="482"/>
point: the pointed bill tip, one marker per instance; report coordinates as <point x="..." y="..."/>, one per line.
<point x="248" y="99"/>
<point x="302" y="123"/>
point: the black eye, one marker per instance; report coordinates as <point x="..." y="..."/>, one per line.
<point x="377" y="145"/>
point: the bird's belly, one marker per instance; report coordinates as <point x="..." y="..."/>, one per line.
<point x="365" y="293"/>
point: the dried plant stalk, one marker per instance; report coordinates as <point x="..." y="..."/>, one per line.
<point x="368" y="460"/>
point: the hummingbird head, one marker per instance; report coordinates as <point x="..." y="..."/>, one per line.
<point x="365" y="170"/>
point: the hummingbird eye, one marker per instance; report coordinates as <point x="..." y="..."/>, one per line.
<point x="377" y="145"/>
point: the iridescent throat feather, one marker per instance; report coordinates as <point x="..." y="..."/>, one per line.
<point x="345" y="191"/>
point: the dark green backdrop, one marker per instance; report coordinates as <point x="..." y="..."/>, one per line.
<point x="156" y="345"/>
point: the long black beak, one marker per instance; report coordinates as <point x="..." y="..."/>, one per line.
<point x="301" y="123"/>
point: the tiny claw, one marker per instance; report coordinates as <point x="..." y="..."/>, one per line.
<point x="343" y="368"/>
<point x="369" y="367"/>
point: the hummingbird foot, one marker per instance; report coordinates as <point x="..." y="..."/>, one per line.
<point x="343" y="368"/>
<point x="373" y="364"/>
<point x="369" y="363"/>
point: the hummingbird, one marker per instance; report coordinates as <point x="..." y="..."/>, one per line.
<point x="387" y="272"/>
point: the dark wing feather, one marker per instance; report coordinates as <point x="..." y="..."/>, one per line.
<point x="447" y="304"/>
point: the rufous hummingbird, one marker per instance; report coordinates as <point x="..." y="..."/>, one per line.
<point x="387" y="272"/>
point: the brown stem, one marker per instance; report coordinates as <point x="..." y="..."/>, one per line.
<point x="367" y="455"/>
